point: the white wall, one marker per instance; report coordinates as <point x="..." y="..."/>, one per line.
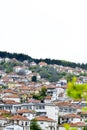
<point x="15" y="127"/>
<point x="30" y="116"/>
<point x="15" y="99"/>
<point x="52" y="111"/>
<point x="76" y="120"/>
<point x="46" y="125"/>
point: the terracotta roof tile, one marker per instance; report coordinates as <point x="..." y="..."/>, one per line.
<point x="48" y="97"/>
<point x="4" y="111"/>
<point x="77" y="124"/>
<point x="60" y="103"/>
<point x="11" y="96"/>
<point x="9" y="91"/>
<point x="34" y="101"/>
<point x="44" y="118"/>
<point x="24" y="88"/>
<point x="51" y="87"/>
<point x="10" y="102"/>
<point x="2" y="118"/>
<point x="18" y="117"/>
<point x="71" y="116"/>
<point x="83" y="113"/>
<point x="25" y="111"/>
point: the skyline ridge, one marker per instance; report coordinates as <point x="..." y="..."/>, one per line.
<point x="22" y="57"/>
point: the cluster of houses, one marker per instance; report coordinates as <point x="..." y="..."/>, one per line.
<point x="18" y="107"/>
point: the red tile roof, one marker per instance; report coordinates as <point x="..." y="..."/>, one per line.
<point x="44" y="118"/>
<point x="62" y="103"/>
<point x="18" y="117"/>
<point x="24" y="88"/>
<point x="4" y="111"/>
<point x="48" y="97"/>
<point x="71" y="116"/>
<point x="83" y="113"/>
<point x="9" y="91"/>
<point x="10" y="102"/>
<point x="51" y="87"/>
<point x="25" y="111"/>
<point x="77" y="124"/>
<point x="11" y="96"/>
<point x="34" y="101"/>
<point x="2" y="118"/>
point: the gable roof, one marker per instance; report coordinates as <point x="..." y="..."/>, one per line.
<point x="10" y="102"/>
<point x="25" y="111"/>
<point x="71" y="116"/>
<point x="44" y="118"/>
<point x="18" y="117"/>
<point x="4" y="111"/>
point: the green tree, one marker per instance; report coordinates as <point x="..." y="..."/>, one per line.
<point x="34" y="78"/>
<point x="67" y="127"/>
<point x="43" y="91"/>
<point x="69" y="77"/>
<point x="41" y="95"/>
<point x="77" y="91"/>
<point x="4" y="87"/>
<point x="85" y="128"/>
<point x="34" y="125"/>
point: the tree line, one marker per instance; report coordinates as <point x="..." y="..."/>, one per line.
<point x="22" y="57"/>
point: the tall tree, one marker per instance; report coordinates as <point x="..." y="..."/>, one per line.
<point x="34" y="125"/>
<point x="77" y="91"/>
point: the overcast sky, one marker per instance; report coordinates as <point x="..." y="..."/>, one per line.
<point x="55" y="29"/>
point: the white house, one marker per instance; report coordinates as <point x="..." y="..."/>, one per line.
<point x="3" y="121"/>
<point x="13" y="127"/>
<point x="12" y="97"/>
<point x="21" y="120"/>
<point x="52" y="111"/>
<point x="30" y="114"/>
<point x="71" y="118"/>
<point x="78" y="125"/>
<point x="32" y="64"/>
<point x="46" y="123"/>
<point x="56" y="93"/>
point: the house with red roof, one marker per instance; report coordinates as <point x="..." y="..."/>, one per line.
<point x="46" y="123"/>
<point x="30" y="114"/>
<point x="13" y="127"/>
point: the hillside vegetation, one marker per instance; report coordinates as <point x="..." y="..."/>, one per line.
<point x="22" y="57"/>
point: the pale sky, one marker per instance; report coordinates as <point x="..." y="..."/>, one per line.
<point x="55" y="29"/>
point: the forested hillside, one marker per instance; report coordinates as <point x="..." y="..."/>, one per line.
<point x="22" y="57"/>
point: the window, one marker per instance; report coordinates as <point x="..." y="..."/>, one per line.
<point x="41" y="107"/>
<point x="10" y="128"/>
<point x="41" y="122"/>
<point x="71" y="119"/>
<point x="30" y="107"/>
<point x="36" y="107"/>
<point x="28" y="114"/>
<point x="26" y="123"/>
